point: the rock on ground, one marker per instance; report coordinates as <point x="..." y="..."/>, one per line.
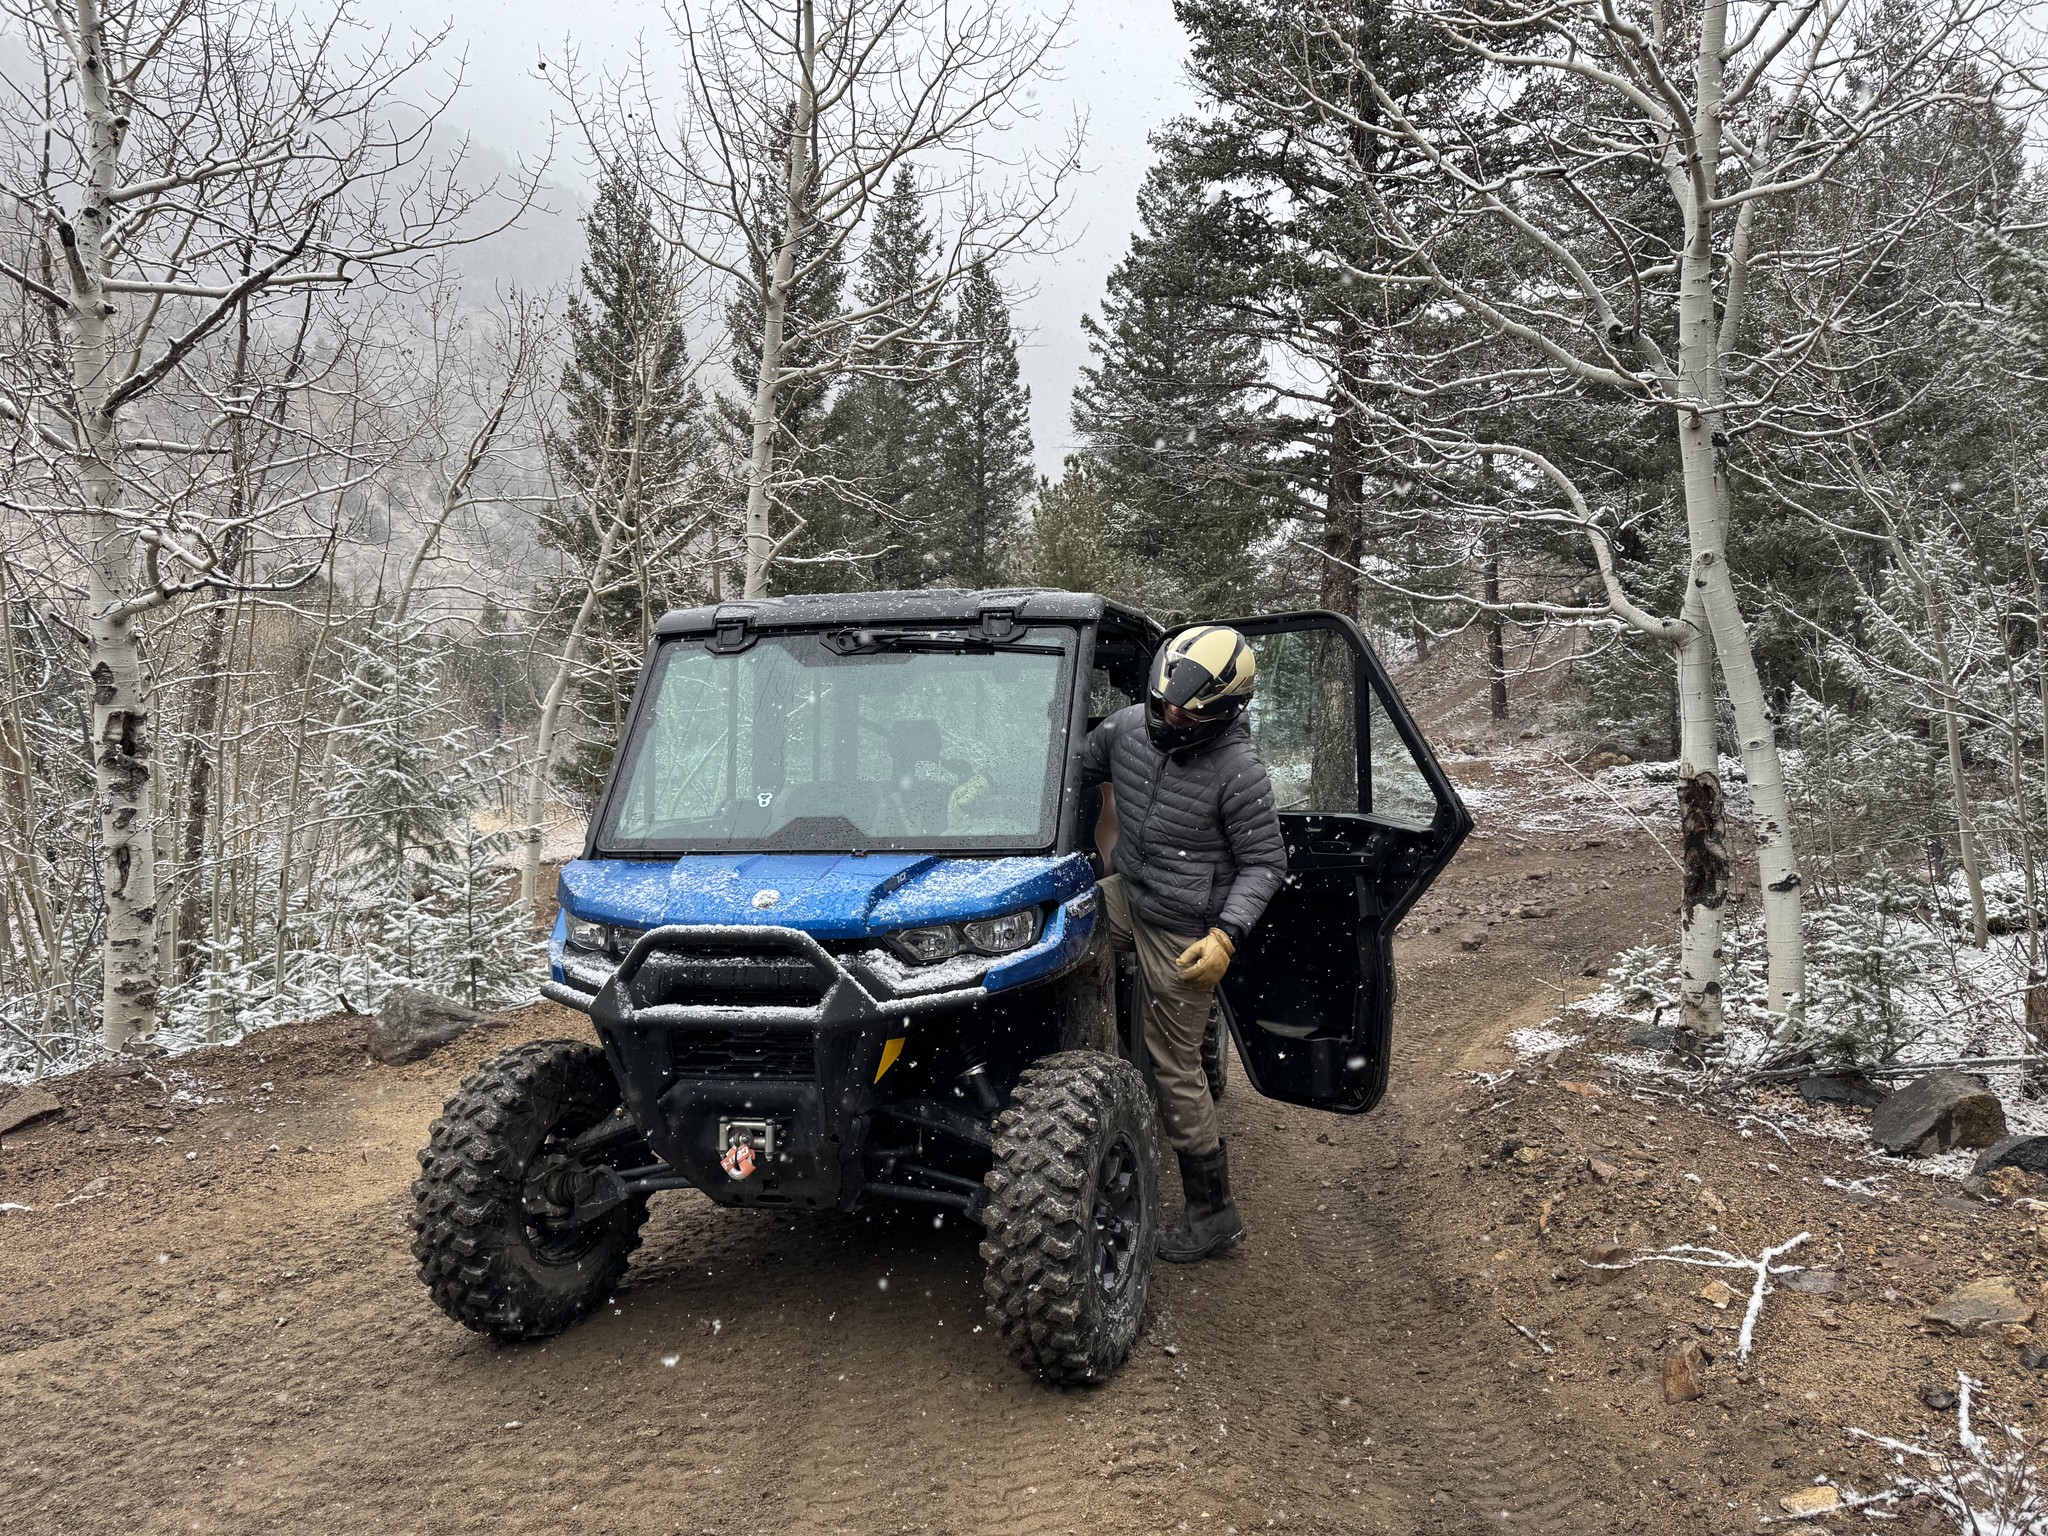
<point x="1685" y="1373"/>
<point x="27" y="1106"/>
<point x="1980" y="1305"/>
<point x="1811" y="1501"/>
<point x="2029" y="1153"/>
<point x="415" y="1024"/>
<point x="1938" y="1112"/>
<point x="1653" y="1037"/>
<point x="1841" y="1088"/>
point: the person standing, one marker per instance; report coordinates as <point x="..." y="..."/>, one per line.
<point x="1198" y="856"/>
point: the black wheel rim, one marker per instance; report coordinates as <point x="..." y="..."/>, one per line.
<point x="551" y="1179"/>
<point x="1119" y="1217"/>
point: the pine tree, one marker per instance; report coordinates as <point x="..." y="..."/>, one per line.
<point x="633" y="441"/>
<point x="393" y="798"/>
<point x="1070" y="542"/>
<point x="978" y="470"/>
<point x="883" y="417"/>
<point x="469" y="940"/>
<point x="424" y="897"/>
<point x="1168" y="412"/>
<point x="1292" y="221"/>
<point x="493" y="668"/>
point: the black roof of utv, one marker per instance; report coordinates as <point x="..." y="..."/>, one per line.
<point x="937" y="605"/>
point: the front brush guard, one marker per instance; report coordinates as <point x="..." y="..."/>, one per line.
<point x="822" y="1115"/>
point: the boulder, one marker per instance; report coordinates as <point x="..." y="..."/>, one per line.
<point x="1980" y="1305"/>
<point x="2028" y="1153"/>
<point x="415" y="1024"/>
<point x="25" y="1107"/>
<point x="1937" y="1112"/>
<point x="1847" y="1087"/>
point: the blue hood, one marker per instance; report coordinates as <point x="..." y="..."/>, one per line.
<point x="829" y="896"/>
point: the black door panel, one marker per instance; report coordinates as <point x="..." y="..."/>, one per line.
<point x="1370" y="820"/>
<point x="1312" y="948"/>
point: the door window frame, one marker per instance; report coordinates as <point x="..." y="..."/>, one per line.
<point x="1369" y="676"/>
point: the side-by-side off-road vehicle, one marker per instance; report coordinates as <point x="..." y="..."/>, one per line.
<point x="837" y="926"/>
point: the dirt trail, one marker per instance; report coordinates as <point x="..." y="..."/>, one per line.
<point x="232" y="1339"/>
<point x="199" y="1333"/>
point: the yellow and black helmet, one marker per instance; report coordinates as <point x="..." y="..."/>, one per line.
<point x="1208" y="671"/>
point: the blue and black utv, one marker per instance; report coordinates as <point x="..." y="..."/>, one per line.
<point x="838" y="930"/>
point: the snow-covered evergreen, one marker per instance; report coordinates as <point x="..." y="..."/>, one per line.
<point x="470" y="939"/>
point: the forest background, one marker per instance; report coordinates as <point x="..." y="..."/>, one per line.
<point x="1695" y="347"/>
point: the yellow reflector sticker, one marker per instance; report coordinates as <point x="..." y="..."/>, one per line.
<point x="891" y="1049"/>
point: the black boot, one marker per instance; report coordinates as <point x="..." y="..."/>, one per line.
<point x="1210" y="1225"/>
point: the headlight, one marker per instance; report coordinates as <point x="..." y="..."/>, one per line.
<point x="926" y="946"/>
<point x="987" y="936"/>
<point x="1000" y="935"/>
<point x="604" y="938"/>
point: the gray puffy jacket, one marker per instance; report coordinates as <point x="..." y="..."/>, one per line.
<point x="1198" y="841"/>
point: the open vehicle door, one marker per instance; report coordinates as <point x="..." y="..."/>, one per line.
<point x="1370" y="820"/>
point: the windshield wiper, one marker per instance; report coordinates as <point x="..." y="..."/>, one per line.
<point x="850" y="642"/>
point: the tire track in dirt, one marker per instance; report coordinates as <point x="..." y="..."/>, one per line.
<point x="1400" y="1406"/>
<point x="1475" y="1446"/>
<point x="877" y="1443"/>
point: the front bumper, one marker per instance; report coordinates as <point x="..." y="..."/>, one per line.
<point x="709" y="1025"/>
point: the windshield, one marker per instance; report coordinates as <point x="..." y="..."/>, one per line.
<point x="790" y="745"/>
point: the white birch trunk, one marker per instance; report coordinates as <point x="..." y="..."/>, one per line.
<point x="774" y="312"/>
<point x="121" y="725"/>
<point x="1701" y="438"/>
<point x="1778" y="879"/>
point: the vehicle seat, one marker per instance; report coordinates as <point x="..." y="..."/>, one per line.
<point x="913" y="742"/>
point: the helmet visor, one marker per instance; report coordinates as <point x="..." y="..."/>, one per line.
<point x="1188" y="680"/>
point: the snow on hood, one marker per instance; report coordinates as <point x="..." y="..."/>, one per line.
<point x="830" y="896"/>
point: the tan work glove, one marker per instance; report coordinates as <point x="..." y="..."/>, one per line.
<point x="1203" y="962"/>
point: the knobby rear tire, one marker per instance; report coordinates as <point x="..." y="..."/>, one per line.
<point x="1051" y="1226"/>
<point x="480" y="1257"/>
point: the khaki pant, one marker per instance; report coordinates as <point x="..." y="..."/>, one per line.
<point x="1175" y="1016"/>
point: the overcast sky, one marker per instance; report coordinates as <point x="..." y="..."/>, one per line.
<point x="1121" y="70"/>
